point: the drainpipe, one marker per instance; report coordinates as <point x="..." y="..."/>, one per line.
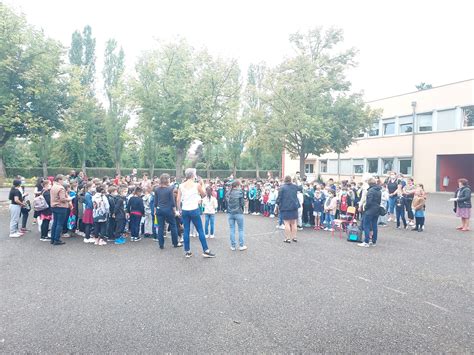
<point x="413" y="105"/>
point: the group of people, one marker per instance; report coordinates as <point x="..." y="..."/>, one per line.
<point x="108" y="210"/>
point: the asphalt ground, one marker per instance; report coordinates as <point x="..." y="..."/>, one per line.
<point x="412" y="293"/>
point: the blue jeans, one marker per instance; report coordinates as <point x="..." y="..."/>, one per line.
<point x="328" y="220"/>
<point x="239" y="218"/>
<point x="401" y="214"/>
<point x="210" y="218"/>
<point x="193" y="216"/>
<point x="370" y="222"/>
<point x="166" y="214"/>
<point x="59" y="216"/>
<point x="391" y="204"/>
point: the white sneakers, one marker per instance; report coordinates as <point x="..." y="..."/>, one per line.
<point x="15" y="235"/>
<point x="90" y="240"/>
<point x="240" y="248"/>
<point x="212" y="236"/>
<point x="363" y="245"/>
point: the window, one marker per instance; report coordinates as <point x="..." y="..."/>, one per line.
<point x="323" y="166"/>
<point x="346" y="167"/>
<point x="309" y="168"/>
<point x="387" y="166"/>
<point x="404" y="166"/>
<point x="468" y="116"/>
<point x="332" y="166"/>
<point x="406" y="124"/>
<point x="361" y="134"/>
<point x="425" y="122"/>
<point x="373" y="166"/>
<point x="374" y="131"/>
<point x="358" y="166"/>
<point x="388" y="128"/>
<point x="446" y="120"/>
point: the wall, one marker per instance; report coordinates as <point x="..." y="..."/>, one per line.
<point x="455" y="166"/>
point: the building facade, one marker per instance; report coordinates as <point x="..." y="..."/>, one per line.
<point x="427" y="134"/>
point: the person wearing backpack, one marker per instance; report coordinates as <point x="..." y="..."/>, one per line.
<point x="371" y="210"/>
<point x="100" y="214"/>
<point x="45" y="214"/>
<point x="235" y="214"/>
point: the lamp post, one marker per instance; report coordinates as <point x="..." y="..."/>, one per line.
<point x="413" y="105"/>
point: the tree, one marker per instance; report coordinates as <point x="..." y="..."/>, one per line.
<point x="423" y="86"/>
<point x="305" y="95"/>
<point x="235" y="139"/>
<point x="115" y="90"/>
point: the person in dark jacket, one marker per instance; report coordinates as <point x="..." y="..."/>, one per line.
<point x="46" y="215"/>
<point x="135" y="210"/>
<point x="462" y="204"/>
<point x="120" y="216"/>
<point x="371" y="213"/>
<point x="235" y="210"/>
<point x="288" y="205"/>
<point x="165" y="210"/>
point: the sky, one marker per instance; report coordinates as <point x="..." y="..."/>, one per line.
<point x="401" y="43"/>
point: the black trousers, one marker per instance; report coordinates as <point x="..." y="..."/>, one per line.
<point x="408" y="208"/>
<point x="420" y="222"/>
<point x="111" y="228"/>
<point x="100" y="229"/>
<point x="45" y="228"/>
<point x="308" y="217"/>
<point x="24" y="217"/>
<point x="119" y="227"/>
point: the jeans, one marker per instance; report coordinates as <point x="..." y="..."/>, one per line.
<point x="408" y="202"/>
<point x="370" y="222"/>
<point x="135" y="225"/>
<point x="119" y="227"/>
<point x="100" y="229"/>
<point x="111" y="228"/>
<point x="14" y="218"/>
<point x="209" y="221"/>
<point x="328" y="218"/>
<point x="420" y="222"/>
<point x="401" y="214"/>
<point x="239" y="218"/>
<point x="59" y="216"/>
<point x="24" y="217"/>
<point x="193" y="216"/>
<point x="391" y="204"/>
<point x="166" y="214"/>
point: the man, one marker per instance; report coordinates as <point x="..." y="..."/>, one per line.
<point x="235" y="210"/>
<point x="59" y="204"/>
<point x="371" y="213"/>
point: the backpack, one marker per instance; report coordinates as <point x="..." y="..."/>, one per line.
<point x="343" y="206"/>
<point x="39" y="203"/>
<point x="354" y="233"/>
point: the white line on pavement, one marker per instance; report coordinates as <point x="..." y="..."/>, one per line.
<point x="363" y="278"/>
<point x="435" y="305"/>
<point x="395" y="290"/>
<point x="335" y="268"/>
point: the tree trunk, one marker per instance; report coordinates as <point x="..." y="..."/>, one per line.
<point x="179" y="162"/>
<point x="339" y="167"/>
<point x="208" y="171"/>
<point x="234" y="170"/>
<point x="3" y="172"/>
<point x="152" y="170"/>
<point x="257" y="169"/>
<point x="45" y="169"/>
<point x="302" y="163"/>
<point x="118" y="168"/>
<point x="84" y="160"/>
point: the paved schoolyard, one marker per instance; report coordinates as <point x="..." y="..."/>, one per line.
<point x="412" y="293"/>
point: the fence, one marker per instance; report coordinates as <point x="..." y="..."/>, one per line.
<point x="101" y="172"/>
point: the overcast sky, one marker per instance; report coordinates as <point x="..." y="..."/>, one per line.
<point x="401" y="42"/>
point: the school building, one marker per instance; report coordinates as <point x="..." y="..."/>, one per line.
<point x="427" y="134"/>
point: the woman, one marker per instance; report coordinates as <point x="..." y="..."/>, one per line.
<point x="288" y="205"/>
<point x="235" y="211"/>
<point x="409" y="194"/>
<point x="462" y="204"/>
<point x="165" y="210"/>
<point x="190" y="194"/>
<point x="16" y="204"/>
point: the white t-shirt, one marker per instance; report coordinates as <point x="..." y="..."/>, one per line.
<point x="190" y="198"/>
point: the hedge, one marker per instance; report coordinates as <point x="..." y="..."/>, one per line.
<point x="101" y="172"/>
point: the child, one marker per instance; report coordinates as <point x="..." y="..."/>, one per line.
<point x="112" y="198"/>
<point x="266" y="207"/>
<point x="135" y="210"/>
<point x="147" y="221"/>
<point x="300" y="197"/>
<point x="330" y="207"/>
<point x="87" y="217"/>
<point x="400" y="207"/>
<point x="120" y="216"/>
<point x="210" y="205"/>
<point x="272" y="201"/>
<point x="318" y="208"/>
<point x="418" y="205"/>
<point x="382" y="221"/>
<point x="344" y="203"/>
<point x="100" y="214"/>
<point x="46" y="215"/>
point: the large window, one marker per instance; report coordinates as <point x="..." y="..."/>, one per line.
<point x="404" y="166"/>
<point x="468" y="116"/>
<point x="309" y="168"/>
<point x="332" y="166"/>
<point x="388" y="128"/>
<point x="358" y="166"/>
<point x="387" y="166"/>
<point x="346" y="167"/>
<point x="425" y="122"/>
<point x="446" y="120"/>
<point x="406" y="124"/>
<point x="374" y="131"/>
<point x="323" y="166"/>
<point x="373" y="166"/>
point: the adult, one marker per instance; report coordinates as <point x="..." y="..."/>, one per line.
<point x="371" y="213"/>
<point x="165" y="210"/>
<point x="462" y="204"/>
<point x="189" y="196"/>
<point x="392" y="186"/>
<point x="288" y="204"/>
<point x="59" y="205"/>
<point x="235" y="214"/>
<point x="409" y="193"/>
<point x="16" y="203"/>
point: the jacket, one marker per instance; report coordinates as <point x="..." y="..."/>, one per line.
<point x="287" y="197"/>
<point x="235" y="201"/>
<point x="418" y="203"/>
<point x="209" y="204"/>
<point x="463" y="196"/>
<point x="119" y="208"/>
<point x="59" y="197"/>
<point x="373" y="200"/>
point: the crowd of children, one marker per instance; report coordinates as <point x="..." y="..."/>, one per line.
<point x="109" y="210"/>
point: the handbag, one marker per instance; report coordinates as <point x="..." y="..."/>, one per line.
<point x="39" y="203"/>
<point x="382" y="211"/>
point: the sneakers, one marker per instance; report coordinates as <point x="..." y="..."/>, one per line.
<point x="299" y="228"/>
<point x="399" y="227"/>
<point x="43" y="239"/>
<point x="188" y="254"/>
<point x="363" y="245"/>
<point x="135" y="239"/>
<point x="15" y="235"/>
<point x="282" y="226"/>
<point x="232" y="248"/>
<point x="372" y="244"/>
<point x="212" y="236"/>
<point x="242" y="248"/>
<point x="272" y="216"/>
<point x="102" y="242"/>
<point x="208" y="254"/>
<point x="120" y="240"/>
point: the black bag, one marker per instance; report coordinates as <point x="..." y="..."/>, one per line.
<point x="382" y="211"/>
<point x="354" y="234"/>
